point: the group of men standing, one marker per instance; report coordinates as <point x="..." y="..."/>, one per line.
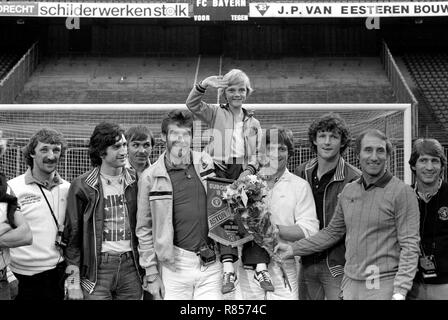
<point x="394" y="234"/>
<point x="77" y="240"/>
<point x="115" y="232"/>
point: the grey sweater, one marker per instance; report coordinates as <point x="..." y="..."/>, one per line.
<point x="382" y="230"/>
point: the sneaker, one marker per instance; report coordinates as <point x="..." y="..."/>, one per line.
<point x="228" y="282"/>
<point x="263" y="279"/>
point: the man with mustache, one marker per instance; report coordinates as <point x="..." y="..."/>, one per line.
<point x="140" y="143"/>
<point x="172" y="227"/>
<point x="428" y="163"/>
<point x="101" y="251"/>
<point x="321" y="273"/>
<point x="379" y="215"/>
<point x="41" y="195"/>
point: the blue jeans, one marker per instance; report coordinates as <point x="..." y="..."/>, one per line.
<point x="5" y="293"/>
<point x="317" y="283"/>
<point x="4" y="285"/>
<point x="117" y="279"/>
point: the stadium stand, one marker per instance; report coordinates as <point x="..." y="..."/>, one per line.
<point x="430" y="73"/>
<point x="153" y="61"/>
<point x="7" y="61"/>
<point x="168" y="80"/>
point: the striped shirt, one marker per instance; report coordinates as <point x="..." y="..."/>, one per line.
<point x="381" y="223"/>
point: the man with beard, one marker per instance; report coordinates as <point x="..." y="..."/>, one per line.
<point x="172" y="228"/>
<point x="41" y="195"/>
<point x="140" y="143"/>
<point x="379" y="215"/>
<point x="101" y="248"/>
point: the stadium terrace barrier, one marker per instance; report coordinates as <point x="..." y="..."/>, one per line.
<point x="12" y="84"/>
<point x="401" y="89"/>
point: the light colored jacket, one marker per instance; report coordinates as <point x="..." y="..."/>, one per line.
<point x="155" y="229"/>
<point x="221" y="120"/>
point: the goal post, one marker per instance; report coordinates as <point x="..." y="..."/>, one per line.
<point x="76" y="121"/>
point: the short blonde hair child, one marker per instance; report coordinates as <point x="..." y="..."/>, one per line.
<point x="236" y="76"/>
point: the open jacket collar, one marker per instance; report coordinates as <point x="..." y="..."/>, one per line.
<point x="92" y="179"/>
<point x="339" y="174"/>
<point x="246" y="114"/>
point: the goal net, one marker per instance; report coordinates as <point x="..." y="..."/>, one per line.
<point x="76" y="122"/>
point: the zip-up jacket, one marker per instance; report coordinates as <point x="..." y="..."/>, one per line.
<point x="434" y="232"/>
<point x="345" y="173"/>
<point x="221" y="121"/>
<point x="84" y="223"/>
<point x="155" y="229"/>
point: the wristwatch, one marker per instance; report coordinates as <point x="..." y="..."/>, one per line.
<point x="152" y="277"/>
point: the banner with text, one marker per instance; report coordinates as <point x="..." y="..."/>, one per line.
<point x="219" y="10"/>
<point x="224" y="226"/>
<point x="95" y="10"/>
<point x="347" y="9"/>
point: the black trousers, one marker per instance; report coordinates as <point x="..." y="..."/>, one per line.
<point x="252" y="254"/>
<point x="47" y="285"/>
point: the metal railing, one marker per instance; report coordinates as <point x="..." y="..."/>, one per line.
<point x="401" y="89"/>
<point x="12" y="84"/>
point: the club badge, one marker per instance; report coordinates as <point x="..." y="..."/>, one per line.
<point x="443" y="213"/>
<point x="216" y="202"/>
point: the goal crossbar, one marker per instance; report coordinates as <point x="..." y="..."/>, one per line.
<point x="73" y="108"/>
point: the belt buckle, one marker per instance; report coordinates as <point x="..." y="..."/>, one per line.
<point x="126" y="254"/>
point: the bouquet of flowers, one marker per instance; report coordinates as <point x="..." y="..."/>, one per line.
<point x="246" y="198"/>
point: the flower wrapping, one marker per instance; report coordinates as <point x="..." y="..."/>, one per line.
<point x="247" y="199"/>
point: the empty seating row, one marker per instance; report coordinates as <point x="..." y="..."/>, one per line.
<point x="430" y="73"/>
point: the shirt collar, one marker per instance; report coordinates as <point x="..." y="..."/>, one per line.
<point x="427" y="196"/>
<point x="30" y="179"/>
<point x="328" y="174"/>
<point x="380" y="183"/>
<point x="285" y="175"/>
<point x="170" y="166"/>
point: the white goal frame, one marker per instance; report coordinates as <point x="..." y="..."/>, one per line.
<point x="403" y="107"/>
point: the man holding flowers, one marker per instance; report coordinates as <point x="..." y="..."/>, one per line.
<point x="292" y="211"/>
